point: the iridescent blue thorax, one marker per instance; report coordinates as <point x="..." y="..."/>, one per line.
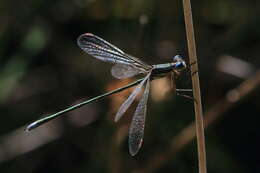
<point x="176" y="66"/>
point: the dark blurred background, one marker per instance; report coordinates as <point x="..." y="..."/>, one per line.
<point x="42" y="70"/>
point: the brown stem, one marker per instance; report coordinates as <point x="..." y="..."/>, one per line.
<point x="195" y="86"/>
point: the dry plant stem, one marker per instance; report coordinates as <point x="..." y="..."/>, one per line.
<point x="195" y="86"/>
<point x="233" y="98"/>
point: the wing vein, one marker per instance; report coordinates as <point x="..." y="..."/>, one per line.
<point x="130" y="99"/>
<point x="136" y="132"/>
<point x="105" y="51"/>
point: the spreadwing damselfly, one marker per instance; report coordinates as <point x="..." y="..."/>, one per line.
<point x="125" y="66"/>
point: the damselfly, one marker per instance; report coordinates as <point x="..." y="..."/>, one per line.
<point x="125" y="66"/>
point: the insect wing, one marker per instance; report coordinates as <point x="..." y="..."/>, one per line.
<point x="101" y="49"/>
<point x="136" y="131"/>
<point x="130" y="99"/>
<point x="104" y="51"/>
<point x="121" y="71"/>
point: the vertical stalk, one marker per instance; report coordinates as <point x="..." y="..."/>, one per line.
<point x="195" y="86"/>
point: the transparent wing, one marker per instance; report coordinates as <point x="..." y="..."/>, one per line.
<point x="130" y="99"/>
<point x="136" y="131"/>
<point x="121" y="71"/>
<point x="104" y="51"/>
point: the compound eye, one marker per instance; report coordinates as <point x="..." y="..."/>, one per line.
<point x="179" y="65"/>
<point x="177" y="57"/>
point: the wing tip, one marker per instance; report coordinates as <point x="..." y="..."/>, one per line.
<point x="88" y="34"/>
<point x="82" y="37"/>
<point x="117" y="117"/>
<point x="133" y="149"/>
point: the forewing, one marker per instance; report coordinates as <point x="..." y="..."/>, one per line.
<point x="91" y="38"/>
<point x="130" y="99"/>
<point x="101" y="49"/>
<point x="121" y="71"/>
<point x="136" y="131"/>
<point x="105" y="51"/>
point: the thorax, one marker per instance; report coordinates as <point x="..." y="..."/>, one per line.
<point x="162" y="69"/>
